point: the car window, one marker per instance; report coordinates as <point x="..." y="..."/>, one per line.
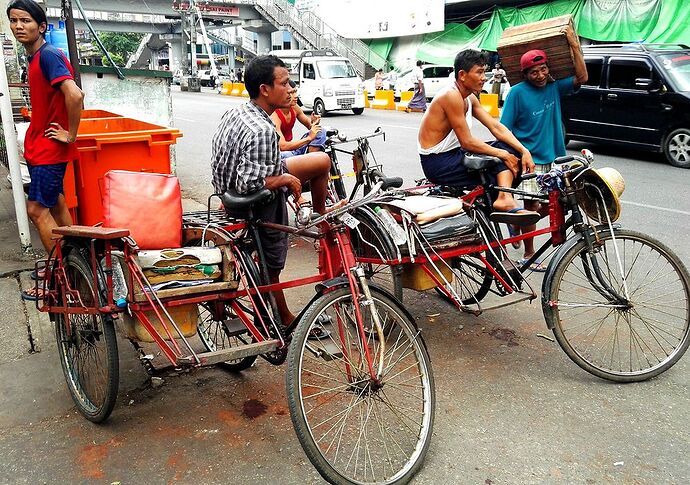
<point x="428" y="72"/>
<point x="594" y="68"/>
<point x="308" y="71"/>
<point x="441" y="71"/>
<point x="678" y="67"/>
<point x="335" y="69"/>
<point x="623" y="72"/>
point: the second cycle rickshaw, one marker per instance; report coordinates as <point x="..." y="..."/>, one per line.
<point x="617" y="301"/>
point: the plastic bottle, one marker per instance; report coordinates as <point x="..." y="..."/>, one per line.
<point x="58" y="38"/>
<point x="392" y="226"/>
<point x="119" y="282"/>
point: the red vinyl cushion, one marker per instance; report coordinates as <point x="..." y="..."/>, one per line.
<point x="148" y="204"/>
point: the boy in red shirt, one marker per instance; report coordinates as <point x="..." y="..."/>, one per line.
<point x="56" y="102"/>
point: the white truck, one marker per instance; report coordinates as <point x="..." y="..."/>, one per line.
<point x="329" y="83"/>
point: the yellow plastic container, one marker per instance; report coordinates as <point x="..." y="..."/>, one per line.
<point x="185" y="316"/>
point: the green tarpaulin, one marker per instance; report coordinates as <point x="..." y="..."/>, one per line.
<point x="599" y="20"/>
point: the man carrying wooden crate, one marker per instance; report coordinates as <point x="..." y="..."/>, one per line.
<point x="532" y="112"/>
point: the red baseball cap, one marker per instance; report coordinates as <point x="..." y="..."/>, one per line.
<point x="532" y="58"/>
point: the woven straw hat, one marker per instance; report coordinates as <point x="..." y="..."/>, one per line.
<point x="602" y="190"/>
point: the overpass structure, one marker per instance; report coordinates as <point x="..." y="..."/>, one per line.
<point x="165" y="21"/>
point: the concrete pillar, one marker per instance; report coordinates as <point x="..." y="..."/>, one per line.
<point x="264" y="43"/>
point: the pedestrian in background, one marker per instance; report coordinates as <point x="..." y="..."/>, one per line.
<point x="532" y="112"/>
<point x="392" y="78"/>
<point x="378" y="80"/>
<point x="418" y="101"/>
<point x="56" y="103"/>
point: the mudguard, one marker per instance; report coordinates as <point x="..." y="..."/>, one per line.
<point x="547" y="282"/>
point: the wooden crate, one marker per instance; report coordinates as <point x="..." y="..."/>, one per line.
<point x="547" y="35"/>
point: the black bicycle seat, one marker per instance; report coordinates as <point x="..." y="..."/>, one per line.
<point x="238" y="205"/>
<point x="474" y="161"/>
<point x="331" y="132"/>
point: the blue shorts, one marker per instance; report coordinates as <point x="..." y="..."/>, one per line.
<point x="46" y="183"/>
<point x="447" y="168"/>
<point x="319" y="142"/>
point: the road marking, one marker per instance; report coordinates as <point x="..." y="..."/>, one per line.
<point x="185" y="119"/>
<point x="656" y="207"/>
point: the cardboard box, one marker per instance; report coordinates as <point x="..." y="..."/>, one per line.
<point x="547" y="35"/>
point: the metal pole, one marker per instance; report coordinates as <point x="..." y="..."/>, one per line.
<point x="13" y="158"/>
<point x="71" y="39"/>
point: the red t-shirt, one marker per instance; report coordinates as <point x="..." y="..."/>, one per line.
<point x="48" y="67"/>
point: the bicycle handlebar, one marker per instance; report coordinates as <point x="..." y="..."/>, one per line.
<point x="338" y="139"/>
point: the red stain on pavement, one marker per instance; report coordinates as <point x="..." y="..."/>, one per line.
<point x="90" y="459"/>
<point x="179" y="464"/>
<point x="229" y="418"/>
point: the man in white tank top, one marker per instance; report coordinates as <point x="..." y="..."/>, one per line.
<point x="445" y="136"/>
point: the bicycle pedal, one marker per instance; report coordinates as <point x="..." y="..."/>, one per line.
<point x="147" y="357"/>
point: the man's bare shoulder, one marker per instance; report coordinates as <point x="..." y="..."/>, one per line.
<point x="448" y="94"/>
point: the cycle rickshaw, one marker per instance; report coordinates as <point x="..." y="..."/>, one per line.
<point x="361" y="395"/>
<point x="617" y="300"/>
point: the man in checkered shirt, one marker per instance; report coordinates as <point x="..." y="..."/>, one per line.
<point x="246" y="158"/>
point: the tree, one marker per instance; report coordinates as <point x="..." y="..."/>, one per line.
<point x="120" y="45"/>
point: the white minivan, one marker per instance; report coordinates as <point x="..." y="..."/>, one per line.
<point x="329" y="83"/>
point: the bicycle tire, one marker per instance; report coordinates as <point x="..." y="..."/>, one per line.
<point x="91" y="340"/>
<point x="405" y="354"/>
<point x="649" y="336"/>
<point x="336" y="181"/>
<point x="214" y="335"/>
<point x="471" y="280"/>
<point x="369" y="240"/>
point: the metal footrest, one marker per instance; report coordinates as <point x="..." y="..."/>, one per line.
<point x="239" y="352"/>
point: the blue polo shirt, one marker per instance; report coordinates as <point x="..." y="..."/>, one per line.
<point x="534" y="116"/>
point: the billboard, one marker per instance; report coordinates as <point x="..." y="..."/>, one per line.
<point x="367" y="19"/>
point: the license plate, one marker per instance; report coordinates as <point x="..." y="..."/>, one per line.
<point x="349" y="220"/>
<point x="346" y="106"/>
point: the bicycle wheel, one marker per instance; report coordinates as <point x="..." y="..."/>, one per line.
<point x="471" y="280"/>
<point x="353" y="429"/>
<point x="215" y="335"/>
<point x="369" y="240"/>
<point x="629" y="341"/>
<point x="87" y="345"/>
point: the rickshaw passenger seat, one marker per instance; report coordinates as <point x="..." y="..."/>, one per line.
<point x="480" y="162"/>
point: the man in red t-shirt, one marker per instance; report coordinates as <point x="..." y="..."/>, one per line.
<point x="56" y="102"/>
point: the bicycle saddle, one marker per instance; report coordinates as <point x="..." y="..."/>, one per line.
<point x="331" y="132"/>
<point x="474" y="161"/>
<point x="238" y="205"/>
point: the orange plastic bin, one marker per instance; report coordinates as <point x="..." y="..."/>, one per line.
<point x="116" y="143"/>
<point x="97" y="113"/>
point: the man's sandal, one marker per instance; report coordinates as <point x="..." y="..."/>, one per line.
<point x="517" y="216"/>
<point x="33" y="294"/>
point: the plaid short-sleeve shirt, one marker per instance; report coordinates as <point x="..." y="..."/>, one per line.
<point x="244" y="150"/>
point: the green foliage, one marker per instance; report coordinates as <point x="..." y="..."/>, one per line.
<point x="120" y="45"/>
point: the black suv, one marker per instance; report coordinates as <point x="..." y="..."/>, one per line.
<point x="637" y="95"/>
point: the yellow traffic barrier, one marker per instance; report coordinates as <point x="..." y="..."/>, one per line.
<point x="405" y="97"/>
<point x="245" y="93"/>
<point x="383" y="99"/>
<point x="366" y="99"/>
<point x="227" y="88"/>
<point x="237" y="89"/>
<point x="490" y="103"/>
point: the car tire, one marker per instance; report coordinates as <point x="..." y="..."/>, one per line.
<point x="677" y="148"/>
<point x="358" y="111"/>
<point x="319" y="108"/>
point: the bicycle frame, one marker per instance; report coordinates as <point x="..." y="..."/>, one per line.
<point x="336" y="258"/>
